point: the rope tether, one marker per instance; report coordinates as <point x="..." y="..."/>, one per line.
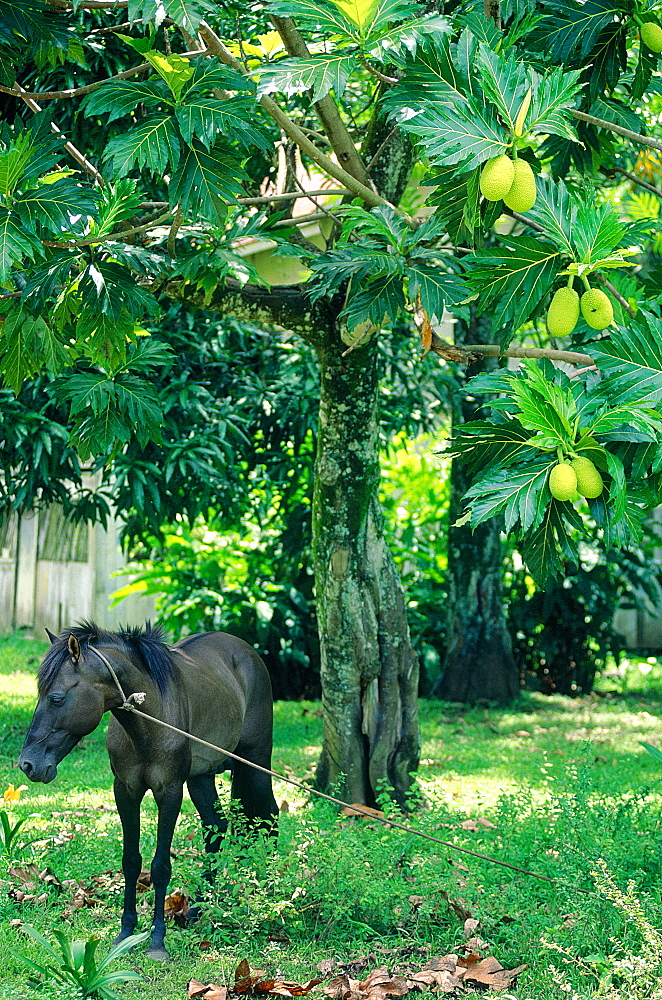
<point x="139" y="697"/>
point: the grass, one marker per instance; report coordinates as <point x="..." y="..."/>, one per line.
<point x="569" y="790"/>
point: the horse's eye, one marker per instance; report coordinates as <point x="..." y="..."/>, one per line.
<point x="56" y="699"/>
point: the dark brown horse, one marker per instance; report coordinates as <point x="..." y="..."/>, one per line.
<point x="212" y="685"/>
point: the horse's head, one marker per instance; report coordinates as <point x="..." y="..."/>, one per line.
<point x="70" y="706"/>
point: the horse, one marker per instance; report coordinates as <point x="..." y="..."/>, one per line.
<point x="212" y="685"/>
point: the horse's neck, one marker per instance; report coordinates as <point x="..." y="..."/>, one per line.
<point x="129" y="682"/>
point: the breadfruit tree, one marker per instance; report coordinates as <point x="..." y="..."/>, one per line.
<point x="138" y="154"/>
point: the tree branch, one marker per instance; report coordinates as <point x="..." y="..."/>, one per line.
<point x="326" y="108"/>
<point x="644" y="140"/>
<point x="266" y="199"/>
<point x="55" y="95"/>
<point x="285" y="306"/>
<point x="89" y="4"/>
<point x="110" y="238"/>
<point x="302" y="220"/>
<point x="382" y="77"/>
<point x="292" y="196"/>
<point x="466" y="354"/>
<point x="609" y="171"/>
<point x="72" y="150"/>
<point x="370" y="197"/>
<point x="615" y="292"/>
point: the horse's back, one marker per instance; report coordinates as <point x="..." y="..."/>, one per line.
<point x="228" y="693"/>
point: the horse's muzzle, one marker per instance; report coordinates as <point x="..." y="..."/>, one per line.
<point x="43" y="771"/>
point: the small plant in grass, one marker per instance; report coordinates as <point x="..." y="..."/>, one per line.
<point x="76" y="965"/>
<point x="9" y="835"/>
<point x="628" y="976"/>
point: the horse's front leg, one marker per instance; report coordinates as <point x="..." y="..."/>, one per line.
<point x="169" y="801"/>
<point x="128" y="807"/>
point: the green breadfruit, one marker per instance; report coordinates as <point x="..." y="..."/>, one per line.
<point x="563" y="481"/>
<point x="496" y="177"/>
<point x="522" y="194"/>
<point x="563" y="312"/>
<point x="597" y="309"/>
<point x="651" y="36"/>
<point x="589" y="480"/>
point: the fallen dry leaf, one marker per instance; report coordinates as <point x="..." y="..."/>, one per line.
<point x="353" y="810"/>
<point x="287" y="989"/>
<point x="245" y="977"/>
<point x="457" y="906"/>
<point x="489" y="972"/>
<point x="30" y="876"/>
<point x="469" y="824"/>
<point x="209" y="992"/>
<point x="195" y="989"/>
<point x="471" y="925"/>
<point x="176" y="905"/>
<point x="249" y="980"/>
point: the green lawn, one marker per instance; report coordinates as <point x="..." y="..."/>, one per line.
<point x="561" y="783"/>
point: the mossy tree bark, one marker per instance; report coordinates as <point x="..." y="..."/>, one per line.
<point x="369" y="669"/>
<point x="479" y="662"/>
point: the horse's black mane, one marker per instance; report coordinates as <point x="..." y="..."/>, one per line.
<point x="147" y="644"/>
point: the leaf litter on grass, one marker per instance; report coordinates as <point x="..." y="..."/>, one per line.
<point x="449" y="974"/>
<point x="31" y="883"/>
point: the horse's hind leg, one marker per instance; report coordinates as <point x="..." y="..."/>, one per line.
<point x="254" y="792"/>
<point x="128" y="807"/>
<point x="204" y="797"/>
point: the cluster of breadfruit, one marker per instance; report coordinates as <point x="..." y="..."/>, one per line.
<point x="510" y="180"/>
<point x="564" y="309"/>
<point x="567" y="479"/>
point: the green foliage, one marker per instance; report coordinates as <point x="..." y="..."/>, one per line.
<point x="563" y="418"/>
<point x="563" y="635"/>
<point x="152" y="206"/>
<point x="386" y="264"/>
<point x="254" y="582"/>
<point x="9" y="834"/>
<point x="514" y="278"/>
<point x="415" y="496"/>
<point x="77" y="964"/>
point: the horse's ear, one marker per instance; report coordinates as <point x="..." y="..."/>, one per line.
<point x="74" y="647"/>
<point x="50" y="635"/>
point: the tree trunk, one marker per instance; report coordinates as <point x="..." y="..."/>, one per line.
<point x="368" y="667"/>
<point x="369" y="670"/>
<point x="479" y="661"/>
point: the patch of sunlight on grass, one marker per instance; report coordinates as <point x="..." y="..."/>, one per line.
<point x="19" y="690"/>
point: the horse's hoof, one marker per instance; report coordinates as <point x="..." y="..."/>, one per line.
<point x="122" y="937"/>
<point x="158" y="954"/>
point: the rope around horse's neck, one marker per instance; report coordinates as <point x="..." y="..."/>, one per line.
<point x="129" y="706"/>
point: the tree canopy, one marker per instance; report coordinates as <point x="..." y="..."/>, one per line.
<point x="137" y="152"/>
